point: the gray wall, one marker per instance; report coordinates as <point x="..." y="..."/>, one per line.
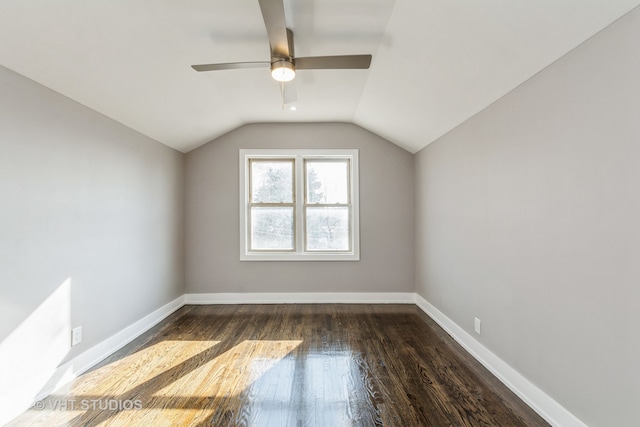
<point x="386" y="216"/>
<point x="87" y="199"/>
<point x="527" y="216"/>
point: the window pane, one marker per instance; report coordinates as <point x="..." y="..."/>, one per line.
<point x="327" y="181"/>
<point x="272" y="181"/>
<point x="272" y="228"/>
<point x="328" y="229"/>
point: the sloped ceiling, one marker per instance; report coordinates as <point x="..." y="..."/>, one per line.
<point x="435" y="62"/>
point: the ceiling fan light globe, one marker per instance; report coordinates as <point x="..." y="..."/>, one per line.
<point x="283" y="71"/>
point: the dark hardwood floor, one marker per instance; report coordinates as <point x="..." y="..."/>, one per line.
<point x="287" y="365"/>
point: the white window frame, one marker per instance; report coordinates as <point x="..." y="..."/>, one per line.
<point x="299" y="253"/>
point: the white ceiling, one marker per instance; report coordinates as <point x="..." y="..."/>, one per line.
<point x="435" y="62"/>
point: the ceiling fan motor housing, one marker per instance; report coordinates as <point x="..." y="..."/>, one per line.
<point x="283" y="70"/>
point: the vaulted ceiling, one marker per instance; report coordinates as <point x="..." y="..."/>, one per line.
<point x="435" y="62"/>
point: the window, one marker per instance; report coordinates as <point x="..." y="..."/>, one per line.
<point x="299" y="205"/>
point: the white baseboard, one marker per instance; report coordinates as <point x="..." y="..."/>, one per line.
<point x="554" y="413"/>
<point x="303" y="298"/>
<point x="539" y="401"/>
<point x="83" y="362"/>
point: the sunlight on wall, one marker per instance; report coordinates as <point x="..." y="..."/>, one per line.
<point x="30" y="355"/>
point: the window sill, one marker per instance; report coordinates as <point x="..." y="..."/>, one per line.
<point x="349" y="256"/>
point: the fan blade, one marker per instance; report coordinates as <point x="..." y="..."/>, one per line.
<point x="289" y="93"/>
<point x="273" y="15"/>
<point x="333" y="62"/>
<point x="231" y="66"/>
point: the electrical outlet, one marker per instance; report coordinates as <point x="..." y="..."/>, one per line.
<point x="476" y="326"/>
<point x="76" y="336"/>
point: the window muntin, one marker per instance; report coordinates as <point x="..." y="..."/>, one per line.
<point x="299" y="205"/>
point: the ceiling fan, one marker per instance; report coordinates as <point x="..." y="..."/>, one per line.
<point x="283" y="61"/>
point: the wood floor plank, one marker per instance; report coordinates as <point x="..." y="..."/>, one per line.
<point x="288" y="365"/>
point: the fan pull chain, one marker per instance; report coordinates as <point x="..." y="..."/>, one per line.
<point x="282" y="94"/>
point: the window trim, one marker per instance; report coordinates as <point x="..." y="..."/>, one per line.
<point x="299" y="253"/>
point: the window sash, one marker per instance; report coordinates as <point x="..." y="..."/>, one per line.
<point x="308" y="204"/>
<point x="252" y="204"/>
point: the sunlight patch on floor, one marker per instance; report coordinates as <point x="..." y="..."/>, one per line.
<point x="231" y="372"/>
<point x="134" y="371"/>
